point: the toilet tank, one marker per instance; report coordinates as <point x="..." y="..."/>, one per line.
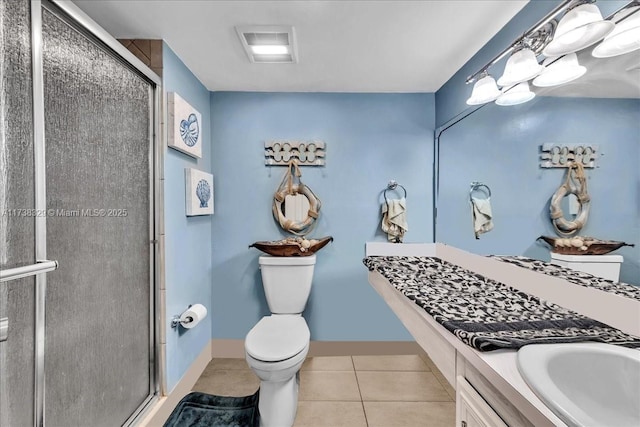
<point x="287" y="282"/>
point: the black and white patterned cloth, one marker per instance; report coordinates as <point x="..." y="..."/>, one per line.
<point x="573" y="276"/>
<point x="486" y="314"/>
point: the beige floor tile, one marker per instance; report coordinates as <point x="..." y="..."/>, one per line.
<point x="328" y="385"/>
<point x="228" y="383"/>
<point x="329" y="363"/>
<point x="330" y="414"/>
<point x="401" y="387"/>
<point x="409" y="362"/>
<point x="228" y="364"/>
<point x="410" y="414"/>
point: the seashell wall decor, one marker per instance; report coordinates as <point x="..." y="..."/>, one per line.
<point x="184" y="123"/>
<point x="199" y="192"/>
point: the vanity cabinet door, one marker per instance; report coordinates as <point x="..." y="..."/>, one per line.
<point x="471" y="408"/>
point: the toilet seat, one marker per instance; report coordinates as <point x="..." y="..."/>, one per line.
<point x="277" y="337"/>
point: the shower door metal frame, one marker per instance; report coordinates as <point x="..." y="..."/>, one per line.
<point x="70" y="13"/>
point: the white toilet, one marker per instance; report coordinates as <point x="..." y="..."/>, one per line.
<point x="277" y="345"/>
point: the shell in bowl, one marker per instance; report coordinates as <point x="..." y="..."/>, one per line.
<point x="582" y="245"/>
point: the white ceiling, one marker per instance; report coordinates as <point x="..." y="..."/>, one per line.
<point x="343" y="46"/>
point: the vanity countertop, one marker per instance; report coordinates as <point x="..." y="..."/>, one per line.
<point x="498" y="367"/>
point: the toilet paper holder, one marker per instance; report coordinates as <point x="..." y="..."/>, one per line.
<point x="175" y="320"/>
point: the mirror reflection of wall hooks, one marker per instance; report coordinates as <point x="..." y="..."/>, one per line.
<point x="479" y="186"/>
<point x="562" y="155"/>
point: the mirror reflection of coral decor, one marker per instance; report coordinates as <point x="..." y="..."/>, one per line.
<point x="199" y="192"/>
<point x="184" y="126"/>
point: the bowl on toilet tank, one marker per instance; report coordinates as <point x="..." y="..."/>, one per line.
<point x="287" y="282"/>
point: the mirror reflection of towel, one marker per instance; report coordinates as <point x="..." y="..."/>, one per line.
<point x="394" y="219"/>
<point x="482" y="215"/>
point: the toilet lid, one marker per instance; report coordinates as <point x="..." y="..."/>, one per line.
<point x="277" y="337"/>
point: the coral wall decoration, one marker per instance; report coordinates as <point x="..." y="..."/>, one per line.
<point x="199" y="192"/>
<point x="184" y="126"/>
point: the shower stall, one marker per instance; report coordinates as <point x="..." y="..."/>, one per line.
<point x="78" y="249"/>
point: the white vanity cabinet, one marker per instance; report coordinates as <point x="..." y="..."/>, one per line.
<point x="471" y="409"/>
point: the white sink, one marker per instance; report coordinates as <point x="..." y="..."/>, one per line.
<point x="585" y="384"/>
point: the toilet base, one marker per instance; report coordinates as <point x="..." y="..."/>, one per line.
<point x="278" y="402"/>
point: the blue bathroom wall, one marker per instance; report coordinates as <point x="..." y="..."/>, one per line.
<point x="371" y="139"/>
<point x="187" y="239"/>
<point x="452" y="96"/>
<point x="500" y="146"/>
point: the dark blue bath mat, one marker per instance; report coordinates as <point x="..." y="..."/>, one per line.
<point x="206" y="410"/>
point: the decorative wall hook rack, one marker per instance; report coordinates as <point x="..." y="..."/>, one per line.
<point x="563" y="155"/>
<point x="281" y="152"/>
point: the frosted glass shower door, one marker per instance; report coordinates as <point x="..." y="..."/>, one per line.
<point x="17" y="350"/>
<point x="77" y="151"/>
<point x="98" y="133"/>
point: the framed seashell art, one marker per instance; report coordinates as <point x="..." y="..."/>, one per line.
<point x="184" y="126"/>
<point x="199" y="192"/>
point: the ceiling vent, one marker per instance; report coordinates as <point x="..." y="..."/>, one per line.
<point x="269" y="44"/>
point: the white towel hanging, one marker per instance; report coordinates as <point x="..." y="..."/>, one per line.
<point x="482" y="216"/>
<point x="394" y="219"/>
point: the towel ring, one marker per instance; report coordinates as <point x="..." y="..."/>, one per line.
<point x="392" y="186"/>
<point x="481" y="187"/>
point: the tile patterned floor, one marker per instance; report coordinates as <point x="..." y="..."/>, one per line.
<point x="352" y="391"/>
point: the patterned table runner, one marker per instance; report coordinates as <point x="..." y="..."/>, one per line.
<point x="486" y="314"/>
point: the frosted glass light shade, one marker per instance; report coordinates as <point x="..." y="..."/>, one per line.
<point x="624" y="38"/>
<point x="485" y="90"/>
<point x="521" y="66"/>
<point x="580" y="27"/>
<point x="518" y="94"/>
<point x="562" y="71"/>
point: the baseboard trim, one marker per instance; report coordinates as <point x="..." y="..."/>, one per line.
<point x="227" y="349"/>
<point x="159" y="413"/>
<point x="234" y="349"/>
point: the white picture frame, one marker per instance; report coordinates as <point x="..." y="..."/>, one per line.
<point x="198" y="192"/>
<point x="184" y="126"/>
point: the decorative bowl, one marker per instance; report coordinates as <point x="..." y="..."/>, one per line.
<point x="291" y="246"/>
<point x="590" y="246"/>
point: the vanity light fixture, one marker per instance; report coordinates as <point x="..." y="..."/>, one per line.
<point x="268" y="43"/>
<point x="485" y="90"/>
<point x="559" y="71"/>
<point x="521" y="66"/>
<point x="518" y="94"/>
<point x="624" y="38"/>
<point x="580" y="27"/>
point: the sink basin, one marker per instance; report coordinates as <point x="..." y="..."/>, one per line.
<point x="585" y="384"/>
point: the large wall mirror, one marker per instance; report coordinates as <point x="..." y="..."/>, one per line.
<point x="500" y="146"/>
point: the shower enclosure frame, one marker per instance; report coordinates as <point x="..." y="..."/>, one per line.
<point x="82" y="23"/>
